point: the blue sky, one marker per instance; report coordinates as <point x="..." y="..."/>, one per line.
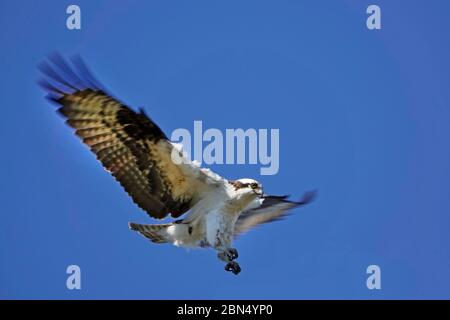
<point x="363" y="117"/>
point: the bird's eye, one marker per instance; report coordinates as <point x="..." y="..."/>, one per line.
<point x="254" y="185"/>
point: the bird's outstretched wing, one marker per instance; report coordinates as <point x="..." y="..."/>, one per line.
<point x="272" y="208"/>
<point x="128" y="144"/>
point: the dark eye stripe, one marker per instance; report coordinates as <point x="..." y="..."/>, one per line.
<point x="239" y="185"/>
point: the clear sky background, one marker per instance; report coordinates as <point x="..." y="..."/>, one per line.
<point x="363" y="116"/>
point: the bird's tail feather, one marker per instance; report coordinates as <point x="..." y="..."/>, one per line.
<point x="157" y="233"/>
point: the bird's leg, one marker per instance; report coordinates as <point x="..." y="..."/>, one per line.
<point x="225" y="253"/>
<point x="228" y="254"/>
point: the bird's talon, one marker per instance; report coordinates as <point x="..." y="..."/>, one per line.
<point x="232" y="254"/>
<point x="233" y="267"/>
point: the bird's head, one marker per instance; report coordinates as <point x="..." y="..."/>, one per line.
<point x="247" y="187"/>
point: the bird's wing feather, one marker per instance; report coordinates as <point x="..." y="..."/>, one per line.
<point x="128" y="143"/>
<point x="272" y="208"/>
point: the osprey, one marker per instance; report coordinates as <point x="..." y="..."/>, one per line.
<point x="140" y="157"/>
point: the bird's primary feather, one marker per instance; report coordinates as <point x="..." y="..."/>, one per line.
<point x="272" y="208"/>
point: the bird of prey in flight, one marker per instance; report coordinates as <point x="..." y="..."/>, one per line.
<point x="211" y="210"/>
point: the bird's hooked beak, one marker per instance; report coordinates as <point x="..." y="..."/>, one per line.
<point x="259" y="193"/>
